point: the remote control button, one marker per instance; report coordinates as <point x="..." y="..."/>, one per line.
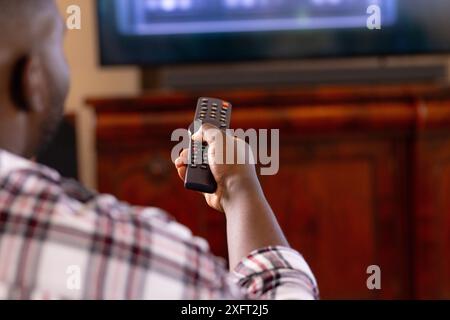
<point x="193" y="166"/>
<point x="204" y="166"/>
<point x="225" y="105"/>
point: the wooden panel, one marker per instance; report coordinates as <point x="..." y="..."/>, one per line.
<point x="342" y="205"/>
<point x="432" y="220"/>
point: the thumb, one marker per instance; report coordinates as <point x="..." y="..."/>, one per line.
<point x="207" y="133"/>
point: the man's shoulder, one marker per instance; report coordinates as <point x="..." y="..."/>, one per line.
<point x="23" y="179"/>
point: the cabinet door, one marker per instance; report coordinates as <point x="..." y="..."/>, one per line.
<point x="342" y="204"/>
<point x="340" y="200"/>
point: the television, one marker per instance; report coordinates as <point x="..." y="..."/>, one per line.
<point x="168" y="32"/>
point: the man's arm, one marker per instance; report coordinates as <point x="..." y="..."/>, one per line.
<point x="257" y="247"/>
<point x="251" y="223"/>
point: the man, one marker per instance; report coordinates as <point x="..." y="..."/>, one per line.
<point x="61" y="241"/>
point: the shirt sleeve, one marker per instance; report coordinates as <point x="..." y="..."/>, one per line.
<point x="278" y="273"/>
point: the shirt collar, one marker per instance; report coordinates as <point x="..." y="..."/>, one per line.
<point x="10" y="162"/>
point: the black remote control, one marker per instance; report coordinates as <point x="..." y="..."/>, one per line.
<point x="198" y="174"/>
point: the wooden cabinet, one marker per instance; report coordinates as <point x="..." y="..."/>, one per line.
<point x="364" y="177"/>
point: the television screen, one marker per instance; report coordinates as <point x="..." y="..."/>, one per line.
<point x="154" y="32"/>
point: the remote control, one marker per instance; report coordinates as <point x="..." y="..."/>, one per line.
<point x="198" y="174"/>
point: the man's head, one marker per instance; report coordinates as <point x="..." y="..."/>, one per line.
<point x="34" y="77"/>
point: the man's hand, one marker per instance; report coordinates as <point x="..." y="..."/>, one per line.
<point x="223" y="154"/>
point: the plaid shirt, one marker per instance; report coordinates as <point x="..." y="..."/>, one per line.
<point x="60" y="241"/>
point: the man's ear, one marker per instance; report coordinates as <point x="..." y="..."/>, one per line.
<point x="27" y="84"/>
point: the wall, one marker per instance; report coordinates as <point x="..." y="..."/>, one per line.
<point x="89" y="79"/>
